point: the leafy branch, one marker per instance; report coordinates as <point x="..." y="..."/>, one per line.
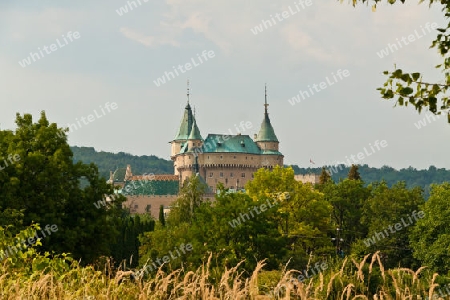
<point x="409" y="88"/>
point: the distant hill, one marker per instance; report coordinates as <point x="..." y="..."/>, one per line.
<point x="411" y="176"/>
<point x="107" y="161"/>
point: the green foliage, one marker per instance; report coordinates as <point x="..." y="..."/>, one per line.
<point x="430" y="238"/>
<point x="302" y="214"/>
<point x="347" y="198"/>
<point x="384" y="208"/>
<point x="126" y="248"/>
<point x="44" y="186"/>
<point x="189" y="199"/>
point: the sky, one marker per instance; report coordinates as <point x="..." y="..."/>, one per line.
<point x="102" y="59"/>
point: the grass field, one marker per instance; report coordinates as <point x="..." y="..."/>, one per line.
<point x="365" y="279"/>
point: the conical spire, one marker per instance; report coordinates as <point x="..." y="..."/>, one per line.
<point x="186" y="122"/>
<point x="195" y="132"/>
<point x="266" y="133"/>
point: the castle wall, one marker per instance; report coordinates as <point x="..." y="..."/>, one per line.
<point x="308" y="178"/>
<point x="231" y="169"/>
<point x="138" y="204"/>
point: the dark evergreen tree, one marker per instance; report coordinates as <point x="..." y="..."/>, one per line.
<point x="353" y="174"/>
<point x="162" y="219"/>
<point x="324" y="176"/>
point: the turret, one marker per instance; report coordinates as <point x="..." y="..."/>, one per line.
<point x="184" y="130"/>
<point x="266" y="138"/>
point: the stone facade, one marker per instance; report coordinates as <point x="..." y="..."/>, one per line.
<point x="308" y="178"/>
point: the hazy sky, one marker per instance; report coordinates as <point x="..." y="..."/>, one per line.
<point x="113" y="58"/>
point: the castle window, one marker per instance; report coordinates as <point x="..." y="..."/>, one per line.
<point x="231" y="175"/>
<point x="221" y="157"/>
<point x="208" y="156"/>
<point x="221" y="174"/>
<point x="211" y="174"/>
<point x="243" y="175"/>
<point x="234" y="157"/>
<point x="226" y="180"/>
<point x="246" y="157"/>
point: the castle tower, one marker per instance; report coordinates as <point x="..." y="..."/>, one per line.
<point x="266" y="139"/>
<point x="195" y="143"/>
<point x="128" y="173"/>
<point x="184" y="130"/>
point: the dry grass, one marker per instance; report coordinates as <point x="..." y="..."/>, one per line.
<point x="366" y="279"/>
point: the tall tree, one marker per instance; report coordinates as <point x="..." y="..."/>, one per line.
<point x="347" y="198"/>
<point x="430" y="238"/>
<point x="353" y="174"/>
<point x="44" y="183"/>
<point x="324" y="176"/>
<point x="389" y="216"/>
<point x="162" y="218"/>
<point x="189" y="199"/>
<point x="303" y="216"/>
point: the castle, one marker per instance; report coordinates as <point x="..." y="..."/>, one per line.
<point x="229" y="159"/>
<point x="219" y="158"/>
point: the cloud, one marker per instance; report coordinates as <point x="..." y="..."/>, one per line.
<point x="148" y="40"/>
<point x="51" y="22"/>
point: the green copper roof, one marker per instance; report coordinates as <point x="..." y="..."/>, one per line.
<point x="119" y="175"/>
<point x="266" y="133"/>
<point x="227" y="143"/>
<point x="151" y="187"/>
<point x="195" y="132"/>
<point x="186" y="124"/>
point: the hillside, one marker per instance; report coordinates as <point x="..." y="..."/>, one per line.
<point x="107" y="161"/>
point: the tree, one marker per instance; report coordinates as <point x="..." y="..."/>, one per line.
<point x="189" y="199"/>
<point x="353" y="174"/>
<point x="303" y="214"/>
<point x="347" y="198"/>
<point x="410" y="88"/>
<point x="325" y="176"/>
<point x="430" y="238"/>
<point x="162" y="219"/>
<point x="126" y="249"/>
<point x="389" y="216"/>
<point x="44" y="183"/>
